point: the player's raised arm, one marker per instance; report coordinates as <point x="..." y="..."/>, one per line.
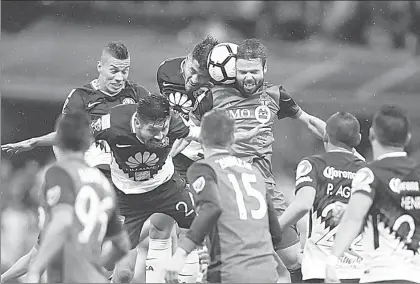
<point x="20" y="267"/>
<point x="60" y="195"/>
<point x="306" y="184"/>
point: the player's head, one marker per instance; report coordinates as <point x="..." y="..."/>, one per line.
<point x="342" y="130"/>
<point x="251" y="66"/>
<point x="151" y="122"/>
<point x="74" y="133"/>
<point x="113" y="67"/>
<point x="390" y="128"/>
<point x="195" y="67"/>
<point x="217" y="130"/>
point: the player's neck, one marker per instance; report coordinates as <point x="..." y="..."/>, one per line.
<point x="208" y="152"/>
<point x="71" y="155"/>
<point x="380" y="151"/>
<point x="332" y="148"/>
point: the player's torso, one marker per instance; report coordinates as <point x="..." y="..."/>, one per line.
<point x="241" y="239"/>
<point x="136" y="167"/>
<point x="393" y="225"/>
<point x="98" y="104"/>
<point x="94" y="203"/>
<point x="334" y="173"/>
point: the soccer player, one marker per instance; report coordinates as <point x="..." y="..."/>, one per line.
<point x="185" y="81"/>
<point x="80" y="210"/>
<point x="233" y="211"/>
<point x="323" y="185"/>
<point x="140" y="138"/>
<point x="252" y="102"/>
<point x="111" y="88"/>
<point x="385" y="205"/>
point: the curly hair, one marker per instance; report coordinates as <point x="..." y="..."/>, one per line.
<point x="202" y="50"/>
<point x="154" y="107"/>
<point x="252" y="49"/>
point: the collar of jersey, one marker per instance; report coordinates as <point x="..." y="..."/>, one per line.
<point x="95" y="86"/>
<point x="392" y="155"/>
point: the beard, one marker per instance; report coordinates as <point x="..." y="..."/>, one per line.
<point x="251" y="86"/>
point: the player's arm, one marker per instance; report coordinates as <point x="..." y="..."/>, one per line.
<point x="73" y="102"/>
<point x="60" y="191"/>
<point x="204" y="181"/>
<point x="120" y="243"/>
<point x="20" y="267"/>
<point x="363" y="194"/>
<point x="306" y="184"/>
<point x="289" y="108"/>
<point x="275" y="229"/>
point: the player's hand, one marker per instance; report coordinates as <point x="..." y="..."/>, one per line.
<point x="19" y="147"/>
<point x="204" y="258"/>
<point x="265" y="140"/>
<point x="242" y="135"/>
<point x="174" y="266"/>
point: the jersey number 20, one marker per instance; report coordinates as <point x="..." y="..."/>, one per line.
<point x="247" y="180"/>
<point x="96" y="214"/>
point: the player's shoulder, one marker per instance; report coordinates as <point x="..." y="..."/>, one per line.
<point x="83" y="91"/>
<point x="277" y="92"/>
<point x="137" y="88"/>
<point x="224" y="90"/>
<point x="169" y="69"/>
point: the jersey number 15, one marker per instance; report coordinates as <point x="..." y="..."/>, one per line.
<point x="246" y="181"/>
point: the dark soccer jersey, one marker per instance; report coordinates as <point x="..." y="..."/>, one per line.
<point x="136" y="167"/>
<point x="241" y="248"/>
<point x="88" y="98"/>
<point x="88" y="191"/>
<point x="262" y="107"/>
<point x="331" y="175"/>
<point x="392" y="232"/>
<point x="172" y="84"/>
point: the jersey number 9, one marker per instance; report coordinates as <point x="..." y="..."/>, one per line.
<point x="91" y="212"/>
<point x="247" y="180"/>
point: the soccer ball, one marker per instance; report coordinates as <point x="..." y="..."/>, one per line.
<point x="221" y="63"/>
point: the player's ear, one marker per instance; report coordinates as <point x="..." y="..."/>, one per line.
<point x="99" y="66"/>
<point x="265" y="67"/>
<point x="137" y="121"/>
<point x="358" y="140"/>
<point x="326" y="138"/>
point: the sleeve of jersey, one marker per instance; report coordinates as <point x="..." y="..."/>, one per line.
<point x="178" y="127"/>
<point x="73" y="102"/>
<point x="204" y="104"/>
<point x="364" y="182"/>
<point x="204" y="183"/>
<point x="101" y="127"/>
<point x="306" y="175"/>
<point x="288" y="107"/>
<point x="58" y="187"/>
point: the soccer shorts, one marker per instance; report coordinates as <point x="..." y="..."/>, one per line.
<point x="290" y="234"/>
<point x="171" y="198"/>
<point x="181" y="164"/>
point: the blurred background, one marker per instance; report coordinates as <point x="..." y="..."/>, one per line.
<point x="330" y="55"/>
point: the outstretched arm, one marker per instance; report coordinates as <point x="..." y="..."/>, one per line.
<point x="29" y="144"/>
<point x="314" y="124"/>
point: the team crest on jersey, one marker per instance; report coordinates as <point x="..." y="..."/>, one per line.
<point x="262" y="112"/>
<point x="304" y="168"/>
<point x="96" y="124"/>
<point x="199" y="184"/>
<point x="53" y="195"/>
<point x="121" y="218"/>
<point x="128" y="101"/>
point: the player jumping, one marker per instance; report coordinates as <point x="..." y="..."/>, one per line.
<point x="140" y="138"/>
<point x="323" y="185"/>
<point x="385" y="205"/>
<point x="233" y="211"/>
<point x="80" y="211"/>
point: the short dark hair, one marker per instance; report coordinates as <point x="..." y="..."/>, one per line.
<point x="391" y="126"/>
<point x="117" y="50"/>
<point x="202" y="50"/>
<point x="252" y="49"/>
<point x="217" y="129"/>
<point x="343" y="128"/>
<point x="73" y="131"/>
<point x="154" y="107"/>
